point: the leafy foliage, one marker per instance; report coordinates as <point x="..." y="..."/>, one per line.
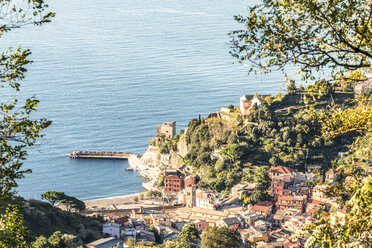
<point x="13" y="233"/>
<point x="188" y="237"/>
<point x="214" y="237"/>
<point x="53" y="196"/>
<point x="310" y="34"/>
<point x="42" y="219"/>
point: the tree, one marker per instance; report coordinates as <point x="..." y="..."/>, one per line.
<point x="18" y="129"/>
<point x="153" y="229"/>
<point x="13" y="233"/>
<point x="135" y="199"/>
<point x="214" y="237"/>
<point x="55" y="240"/>
<point x="41" y="242"/>
<point x="72" y="203"/>
<point x="53" y="196"/>
<point x="310" y="34"/>
<point x="187" y="237"/>
<point x="232" y="152"/>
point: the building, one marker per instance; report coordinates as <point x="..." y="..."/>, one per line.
<point x="283" y="215"/>
<point x="201" y="225"/>
<point x="173" y="182"/>
<point x="233" y="223"/>
<point x="280" y="172"/>
<point x="187" y="196"/>
<point x="264" y="209"/>
<point x="190" y="180"/>
<point x="363" y="87"/>
<point x="112" y="229"/>
<point x="111" y="242"/>
<point x="248" y="101"/>
<point x="313" y="167"/>
<point x="291" y="202"/>
<point x="168" y="129"/>
<point x="206" y="199"/>
<point x="241" y="188"/>
<point x="332" y="176"/>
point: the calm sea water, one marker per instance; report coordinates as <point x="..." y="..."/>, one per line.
<point x="107" y="72"/>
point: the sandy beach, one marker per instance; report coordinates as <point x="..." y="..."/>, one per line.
<point x="120" y="202"/>
<point x="109" y="201"/>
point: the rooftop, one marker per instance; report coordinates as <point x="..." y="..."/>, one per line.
<point x="281" y="170"/>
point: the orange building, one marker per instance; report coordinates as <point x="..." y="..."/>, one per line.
<point x="173" y="183"/>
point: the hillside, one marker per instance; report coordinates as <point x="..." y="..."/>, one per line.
<point x="286" y="130"/>
<point x="42" y="219"/>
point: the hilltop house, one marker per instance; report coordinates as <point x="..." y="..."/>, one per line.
<point x="248" y="101"/>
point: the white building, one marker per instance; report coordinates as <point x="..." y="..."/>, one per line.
<point x="205" y="199"/>
<point x="248" y="101"/>
<point x="112" y="229"/>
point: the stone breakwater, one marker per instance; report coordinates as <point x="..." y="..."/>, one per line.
<point x="101" y="154"/>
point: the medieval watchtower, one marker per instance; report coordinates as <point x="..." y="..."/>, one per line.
<point x="167" y="128"/>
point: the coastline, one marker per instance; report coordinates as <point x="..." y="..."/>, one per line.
<point x="109" y="202"/>
<point x="126" y="201"/>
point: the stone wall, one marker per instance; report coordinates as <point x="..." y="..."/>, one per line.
<point x="167" y="128"/>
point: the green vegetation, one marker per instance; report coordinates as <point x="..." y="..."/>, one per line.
<point x="57" y="240"/>
<point x="330" y="43"/>
<point x="153" y="229"/>
<point x="19" y="130"/>
<point x="214" y="237"/>
<point x="188" y="237"/>
<point x="287" y="131"/>
<point x="52" y="196"/>
<point x="42" y="219"/>
<point x="309" y="34"/>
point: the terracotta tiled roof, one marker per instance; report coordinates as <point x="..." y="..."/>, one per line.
<point x="257" y="208"/>
<point x="315" y="202"/>
<point x="281" y="170"/>
<point x="172" y="177"/>
<point x="331" y="172"/>
<point x="265" y="203"/>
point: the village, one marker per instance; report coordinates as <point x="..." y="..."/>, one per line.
<point x="268" y="224"/>
<point x="273" y="223"/>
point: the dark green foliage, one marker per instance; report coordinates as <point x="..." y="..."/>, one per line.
<point x="53" y="196"/>
<point x="223" y="237"/>
<point x="42" y="242"/>
<point x="188" y="237"/>
<point x="72" y="203"/>
<point x="41" y="218"/>
<point x="153" y="229"/>
<point x="55" y="240"/>
<point x="311" y="35"/>
<point x="13" y="233"/>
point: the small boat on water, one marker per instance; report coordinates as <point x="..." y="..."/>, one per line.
<point x="129" y="169"/>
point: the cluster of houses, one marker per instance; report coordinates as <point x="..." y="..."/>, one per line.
<point x="268" y="224"/>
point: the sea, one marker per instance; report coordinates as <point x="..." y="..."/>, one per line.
<point x="108" y="72"/>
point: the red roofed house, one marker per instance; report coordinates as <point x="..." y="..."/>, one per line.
<point x="172" y="184"/>
<point x="201" y="225"/>
<point x="190" y="180"/>
<point x="280" y="172"/>
<point x="263" y="209"/>
<point x="291" y="202"/>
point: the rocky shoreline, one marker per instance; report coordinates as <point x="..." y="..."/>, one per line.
<point x="146" y="167"/>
